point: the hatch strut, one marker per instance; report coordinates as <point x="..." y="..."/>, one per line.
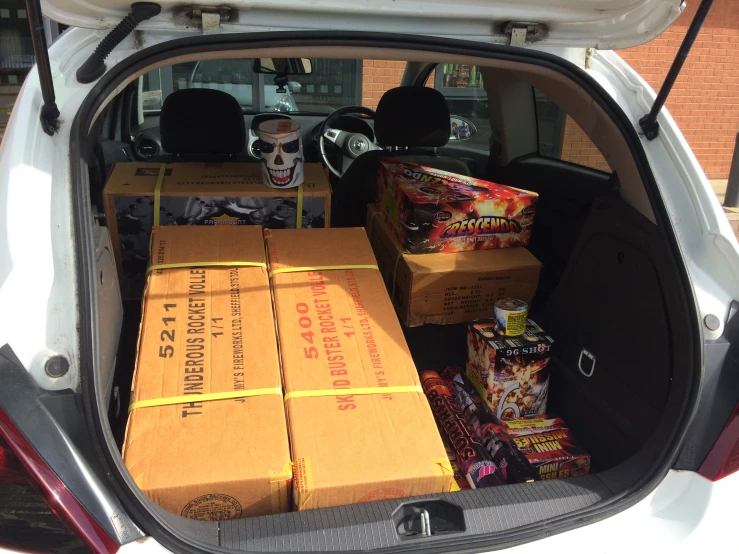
<point x="94" y="66"/>
<point x="649" y="123"/>
<point x="49" y="110"/>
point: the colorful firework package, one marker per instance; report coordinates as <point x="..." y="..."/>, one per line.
<point x="512" y="465"/>
<point x="474" y="461"/>
<point x="510" y="373"/>
<point x="437" y="211"/>
<point x="459" y="478"/>
<point x="549" y="446"/>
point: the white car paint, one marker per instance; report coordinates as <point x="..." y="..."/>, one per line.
<point x="38" y="297"/>
<point x="684" y="514"/>
<point x="582" y="23"/>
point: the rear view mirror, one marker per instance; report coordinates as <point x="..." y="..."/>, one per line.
<point x="283" y="66"/>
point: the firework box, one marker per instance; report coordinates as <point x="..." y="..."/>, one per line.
<point x="338" y="330"/>
<point x="510" y="373"/>
<point x="449" y="288"/>
<point x="437" y="211"/>
<point x="209" y="330"/>
<point x="550" y="447"/>
<point x="200" y="194"/>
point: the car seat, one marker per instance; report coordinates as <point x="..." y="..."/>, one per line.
<point x="202" y="125"/>
<point x="414" y="119"/>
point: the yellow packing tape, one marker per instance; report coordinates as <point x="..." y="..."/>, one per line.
<point x="302" y="482"/>
<point x="320" y="268"/>
<point x="279" y="484"/>
<point x="299" y="208"/>
<point x="157" y="194"/>
<point x="187" y="398"/>
<point x="346" y="392"/>
<point x="445" y="480"/>
<point x="205" y="264"/>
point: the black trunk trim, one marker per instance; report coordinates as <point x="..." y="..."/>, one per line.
<point x="156" y="521"/>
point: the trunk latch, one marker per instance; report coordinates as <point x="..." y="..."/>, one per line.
<point x="524" y="32"/>
<point x="210" y="17"/>
<point x="426" y="518"/>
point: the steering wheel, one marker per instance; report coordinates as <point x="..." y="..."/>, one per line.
<point x="350" y="144"/>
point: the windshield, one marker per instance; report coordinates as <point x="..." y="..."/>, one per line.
<point x="331" y="85"/>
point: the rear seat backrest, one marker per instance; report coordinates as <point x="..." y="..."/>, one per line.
<point x="566" y="193"/>
<point x="202" y="125"/>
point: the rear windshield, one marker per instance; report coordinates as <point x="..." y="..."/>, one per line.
<point x="331" y="85"/>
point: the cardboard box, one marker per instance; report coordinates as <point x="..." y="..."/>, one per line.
<point x="510" y="373"/>
<point x="338" y="330"/>
<point x="449" y="288"/>
<point x="209" y="330"/>
<point x="437" y="211"/>
<point x="549" y="446"/>
<point x="200" y="194"/>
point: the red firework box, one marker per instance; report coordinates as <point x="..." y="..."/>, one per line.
<point x="437" y="211"/>
<point x="510" y="373"/>
<point x="550" y="447"/>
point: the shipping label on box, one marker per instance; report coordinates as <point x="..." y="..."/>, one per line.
<point x="510" y="373"/>
<point x="209" y="330"/>
<point x="431" y="210"/>
<point x="201" y="194"/>
<point x="549" y="446"/>
<point x="338" y="330"/>
<point x="445" y="288"/>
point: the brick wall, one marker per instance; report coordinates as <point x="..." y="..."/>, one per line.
<point x="705" y="99"/>
<point x="579" y="149"/>
<point x="377" y="77"/>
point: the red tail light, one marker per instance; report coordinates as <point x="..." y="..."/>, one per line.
<point x="723" y="459"/>
<point x="37" y="512"/>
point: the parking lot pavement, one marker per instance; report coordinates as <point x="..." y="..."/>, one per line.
<point x="719" y="187"/>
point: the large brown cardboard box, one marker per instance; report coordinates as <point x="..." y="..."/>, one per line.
<point x="209" y="330"/>
<point x="445" y="287"/>
<point x="338" y="330"/>
<point x="201" y="194"/>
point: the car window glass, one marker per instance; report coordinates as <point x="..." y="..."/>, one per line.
<point x="331" y="85"/>
<point x="561" y="138"/>
<point x="462" y="86"/>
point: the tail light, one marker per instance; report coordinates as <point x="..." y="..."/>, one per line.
<point x="723" y="459"/>
<point x="37" y="512"/>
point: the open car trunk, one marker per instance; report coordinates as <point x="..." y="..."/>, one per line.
<point x="613" y="294"/>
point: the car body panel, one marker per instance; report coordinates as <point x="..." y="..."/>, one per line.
<point x="582" y="23"/>
<point x="38" y="281"/>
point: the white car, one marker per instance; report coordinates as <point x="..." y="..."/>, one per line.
<point x="639" y="287"/>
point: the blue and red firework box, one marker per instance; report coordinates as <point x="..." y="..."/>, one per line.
<point x="437" y="211"/>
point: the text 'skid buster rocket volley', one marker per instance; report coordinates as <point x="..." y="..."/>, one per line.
<point x="437" y="211"/>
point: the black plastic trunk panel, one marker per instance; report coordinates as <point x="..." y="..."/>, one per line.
<point x="370" y="526"/>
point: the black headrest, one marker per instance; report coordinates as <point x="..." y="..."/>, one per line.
<point x="412" y="116"/>
<point x="202" y="121"/>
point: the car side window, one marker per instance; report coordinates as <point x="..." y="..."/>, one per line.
<point x="462" y="86"/>
<point x="561" y="138"/>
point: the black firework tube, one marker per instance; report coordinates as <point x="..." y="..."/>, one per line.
<point x="512" y="465"/>
<point x="474" y="461"/>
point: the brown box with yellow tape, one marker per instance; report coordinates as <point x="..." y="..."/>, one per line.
<point x="207" y="330"/>
<point x="360" y="426"/>
<point x="445" y="288"/>
<point x="193" y="193"/>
